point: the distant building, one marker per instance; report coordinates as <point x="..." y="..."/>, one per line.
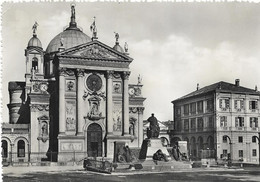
<point x="219" y="119"/>
<point x="76" y="98"/>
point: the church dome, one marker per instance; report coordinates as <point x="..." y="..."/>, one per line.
<point x="34" y="42"/>
<point x="69" y="38"/>
<point x="118" y="48"/>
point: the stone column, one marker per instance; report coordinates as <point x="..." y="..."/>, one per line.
<point x="140" y="126"/>
<point x="109" y="102"/>
<point x="126" y="103"/>
<point x="80" y="101"/>
<point x="62" y="107"/>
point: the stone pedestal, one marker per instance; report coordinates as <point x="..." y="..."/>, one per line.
<point x="151" y="146"/>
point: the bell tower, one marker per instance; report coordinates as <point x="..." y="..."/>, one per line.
<point x="34" y="58"/>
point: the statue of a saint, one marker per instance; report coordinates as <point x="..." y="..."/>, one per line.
<point x="154" y="130"/>
<point x="126" y="47"/>
<point x="116" y="36"/>
<point x="44" y="129"/>
<point x="35" y="25"/>
<point x="94" y="109"/>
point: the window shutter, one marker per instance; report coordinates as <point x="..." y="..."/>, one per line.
<point x="236" y="121"/>
<point x="220" y="103"/>
<point x="256" y="122"/>
<point x="227" y="103"/>
<point x="256" y="104"/>
<point x="251" y="122"/>
<point x="242" y="121"/>
<point x="242" y="104"/>
<point x="235" y="104"/>
<point x="250" y="104"/>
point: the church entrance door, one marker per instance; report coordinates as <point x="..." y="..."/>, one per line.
<point x="94" y="140"/>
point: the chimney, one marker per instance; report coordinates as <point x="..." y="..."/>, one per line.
<point x="198" y="86"/>
<point x="256" y="88"/>
<point x="237" y="82"/>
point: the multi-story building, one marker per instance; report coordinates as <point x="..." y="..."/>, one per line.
<point x="219" y="119"/>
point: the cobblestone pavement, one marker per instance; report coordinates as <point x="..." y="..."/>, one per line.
<point x="76" y="173"/>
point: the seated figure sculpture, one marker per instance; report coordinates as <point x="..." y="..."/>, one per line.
<point x="154" y="130"/>
<point x="159" y="156"/>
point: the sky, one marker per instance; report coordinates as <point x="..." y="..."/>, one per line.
<point x="174" y="45"/>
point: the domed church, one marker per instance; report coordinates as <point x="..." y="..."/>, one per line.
<point x="75" y="102"/>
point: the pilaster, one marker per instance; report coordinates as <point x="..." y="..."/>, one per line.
<point x="140" y="126"/>
<point x="80" y="101"/>
<point x="126" y="103"/>
<point x="109" y="102"/>
<point x="62" y="110"/>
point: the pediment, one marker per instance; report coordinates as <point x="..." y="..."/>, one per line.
<point x="94" y="50"/>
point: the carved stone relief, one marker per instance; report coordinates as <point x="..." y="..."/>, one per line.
<point x="95" y="52"/>
<point x="39" y="107"/>
<point x="117" y="117"/>
<point x="66" y="72"/>
<point x="71" y="115"/>
<point x="70" y="85"/>
<point x="117" y="88"/>
<point x="71" y="146"/>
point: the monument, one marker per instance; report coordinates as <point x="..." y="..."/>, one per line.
<point x="152" y="144"/>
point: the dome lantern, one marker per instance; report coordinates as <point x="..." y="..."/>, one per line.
<point x="34" y="41"/>
<point x="71" y="36"/>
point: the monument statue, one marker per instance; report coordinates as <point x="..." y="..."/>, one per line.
<point x="154" y="130"/>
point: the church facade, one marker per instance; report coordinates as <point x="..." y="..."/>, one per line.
<point x="76" y="98"/>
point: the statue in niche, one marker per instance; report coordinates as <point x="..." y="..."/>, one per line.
<point x="94" y="109"/>
<point x="44" y="128"/>
<point x="131" y="129"/>
<point x="94" y="113"/>
<point x="154" y="130"/>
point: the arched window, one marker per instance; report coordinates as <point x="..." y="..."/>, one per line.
<point x="35" y="64"/>
<point x="253" y="139"/>
<point x="21" y="148"/>
<point x="4" y="149"/>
